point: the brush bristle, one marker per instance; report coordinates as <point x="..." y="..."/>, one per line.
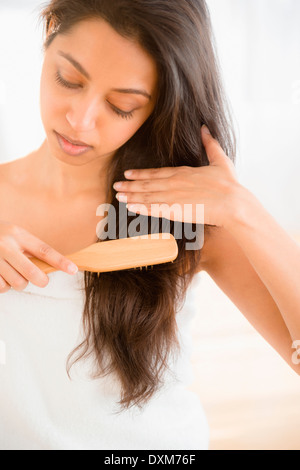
<point x="141" y="268"/>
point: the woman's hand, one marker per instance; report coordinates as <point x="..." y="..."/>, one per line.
<point x="16" y="270"/>
<point x="214" y="186"/>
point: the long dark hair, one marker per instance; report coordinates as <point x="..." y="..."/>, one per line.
<point x="129" y="316"/>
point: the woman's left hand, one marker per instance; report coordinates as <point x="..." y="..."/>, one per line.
<point x="153" y="192"/>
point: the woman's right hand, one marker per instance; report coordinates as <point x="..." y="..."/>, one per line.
<point x="16" y="270"/>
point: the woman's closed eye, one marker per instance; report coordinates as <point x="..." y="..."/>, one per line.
<point x="72" y="86"/>
<point x="64" y="83"/>
<point x="123" y="114"/>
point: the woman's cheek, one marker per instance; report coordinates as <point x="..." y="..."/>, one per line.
<point x="121" y="134"/>
<point x="50" y="106"/>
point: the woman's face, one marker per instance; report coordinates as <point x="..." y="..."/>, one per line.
<point x="105" y="99"/>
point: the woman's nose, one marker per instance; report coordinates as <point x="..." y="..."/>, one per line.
<point x="83" y="115"/>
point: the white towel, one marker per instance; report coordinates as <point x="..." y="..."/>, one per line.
<point x="42" y="409"/>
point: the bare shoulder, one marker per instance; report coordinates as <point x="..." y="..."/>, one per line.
<point x="10" y="169"/>
<point x="219" y="247"/>
<point x="5" y="172"/>
<point x="13" y="175"/>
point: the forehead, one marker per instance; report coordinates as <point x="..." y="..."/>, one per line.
<point x="103" y="51"/>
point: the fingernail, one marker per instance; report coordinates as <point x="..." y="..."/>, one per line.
<point x="205" y="129"/>
<point x="122" y="197"/>
<point x="72" y="269"/>
<point x="118" y="186"/>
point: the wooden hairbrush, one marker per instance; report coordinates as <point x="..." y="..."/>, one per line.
<point x="124" y="253"/>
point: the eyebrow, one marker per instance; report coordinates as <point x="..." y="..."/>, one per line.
<point x="78" y="66"/>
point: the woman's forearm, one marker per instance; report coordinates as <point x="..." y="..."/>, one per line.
<point x="274" y="255"/>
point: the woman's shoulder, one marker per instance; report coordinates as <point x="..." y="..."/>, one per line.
<point x="12" y="174"/>
<point x="4" y="168"/>
<point x="10" y="170"/>
<point x="219" y="249"/>
<point x="15" y="180"/>
<point x="5" y="172"/>
<point x="213" y="239"/>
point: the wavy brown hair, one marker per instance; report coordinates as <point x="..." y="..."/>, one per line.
<point x="129" y="316"/>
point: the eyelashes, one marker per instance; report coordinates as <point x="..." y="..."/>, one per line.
<point x="65" y="84"/>
<point x="121" y="113"/>
<point x="71" y="86"/>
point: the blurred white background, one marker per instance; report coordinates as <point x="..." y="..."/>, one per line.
<point x="249" y="393"/>
<point x="259" y="49"/>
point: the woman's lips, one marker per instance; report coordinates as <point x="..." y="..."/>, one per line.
<point x="71" y="149"/>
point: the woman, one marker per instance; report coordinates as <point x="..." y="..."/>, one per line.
<point x="127" y="86"/>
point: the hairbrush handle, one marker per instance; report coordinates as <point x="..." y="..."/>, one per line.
<point x="124" y="253"/>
